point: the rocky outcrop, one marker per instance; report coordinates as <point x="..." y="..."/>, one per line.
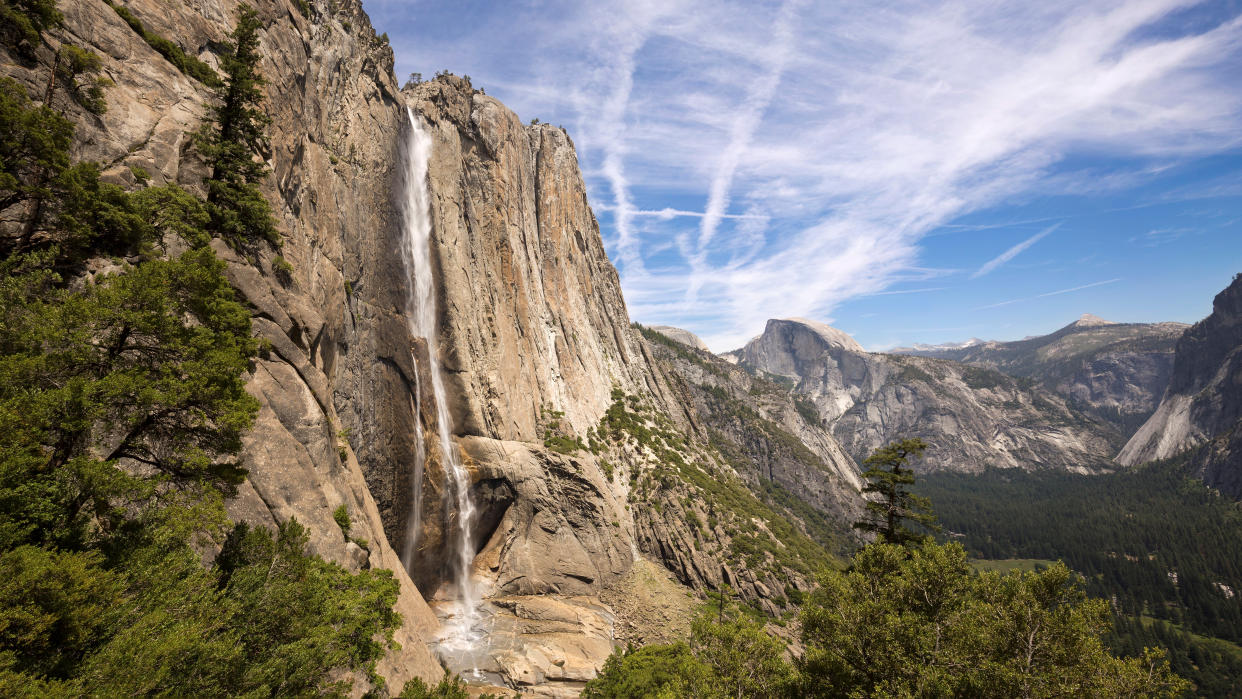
<point x="1202" y="406"/>
<point x="1114" y="371"/>
<point x="548" y="519"/>
<point x="685" y="337"/>
<point x="972" y="418"/>
<point x="337" y="375"/>
<point x="776" y="438"/>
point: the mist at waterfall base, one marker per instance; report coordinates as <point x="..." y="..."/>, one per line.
<point x="462" y="641"/>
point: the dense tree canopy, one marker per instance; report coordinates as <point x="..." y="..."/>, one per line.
<point x="920" y="622"/>
<point x="729" y="655"/>
<point x="906" y="621"/>
<point x="1165" y="549"/>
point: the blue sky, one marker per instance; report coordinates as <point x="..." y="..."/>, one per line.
<point x="908" y="172"/>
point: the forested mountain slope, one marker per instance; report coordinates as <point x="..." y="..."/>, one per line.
<point x="774" y="439"/>
<point x="1162" y="546"/>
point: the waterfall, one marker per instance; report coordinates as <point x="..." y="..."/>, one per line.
<point x="421" y="314"/>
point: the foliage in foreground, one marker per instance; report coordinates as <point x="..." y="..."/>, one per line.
<point x="267" y="619"/>
<point x="449" y="687"/>
<point x="921" y="621"/>
<point x="729" y="655"/>
<point x="122" y="408"/>
<point x="1165" y="549"/>
<point x="906" y="622"/>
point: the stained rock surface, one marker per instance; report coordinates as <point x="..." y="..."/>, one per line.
<point x="1202" y="408"/>
<point x="338" y="371"/>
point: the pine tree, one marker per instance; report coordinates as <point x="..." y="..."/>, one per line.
<point x="889" y="477"/>
<point x="34" y="146"/>
<point x="22" y="23"/>
<point x="236" y="140"/>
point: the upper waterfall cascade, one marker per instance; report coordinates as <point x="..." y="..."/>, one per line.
<point x="459" y="636"/>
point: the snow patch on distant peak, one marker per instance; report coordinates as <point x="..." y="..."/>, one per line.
<point x="921" y="347"/>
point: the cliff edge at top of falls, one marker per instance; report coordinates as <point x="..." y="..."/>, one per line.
<point x="533" y="320"/>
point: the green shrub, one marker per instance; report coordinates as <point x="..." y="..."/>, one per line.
<point x="174" y="54"/>
<point x="341" y="516"/>
<point x="282" y="269"/>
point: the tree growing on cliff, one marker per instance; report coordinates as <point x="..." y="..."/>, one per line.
<point x="22" y="23"/>
<point x="234" y="143"/>
<point x="122" y="407"/>
<point x="889" y="477"/>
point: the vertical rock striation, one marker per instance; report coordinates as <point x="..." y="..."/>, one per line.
<point x="1202" y="407"/>
<point x="335" y="387"/>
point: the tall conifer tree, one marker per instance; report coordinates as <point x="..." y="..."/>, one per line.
<point x="889" y="476"/>
<point x="236" y="140"/>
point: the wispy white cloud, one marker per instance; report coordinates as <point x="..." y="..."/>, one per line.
<point x="908" y="291"/>
<point x="1160" y="236"/>
<point x="1012" y="252"/>
<point x="1058" y="292"/>
<point x="747" y="117"/>
<point x="823" y="141"/>
<point x="669" y="213"/>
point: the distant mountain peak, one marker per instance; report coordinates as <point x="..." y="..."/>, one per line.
<point x="1087" y="320"/>
<point x="922" y="347"/>
<point x="831" y="335"/>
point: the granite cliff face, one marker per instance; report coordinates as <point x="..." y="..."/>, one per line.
<point x="1114" y="371"/>
<point x="602" y="494"/>
<point x="1202" y="406"/>
<point x="972" y="417"/>
<point x="585" y="453"/>
<point x="340" y="352"/>
<point x="774" y="437"/>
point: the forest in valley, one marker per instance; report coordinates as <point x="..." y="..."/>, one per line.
<point x="1164" y="549"/>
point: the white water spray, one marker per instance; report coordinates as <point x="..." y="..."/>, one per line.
<point x="416" y="238"/>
